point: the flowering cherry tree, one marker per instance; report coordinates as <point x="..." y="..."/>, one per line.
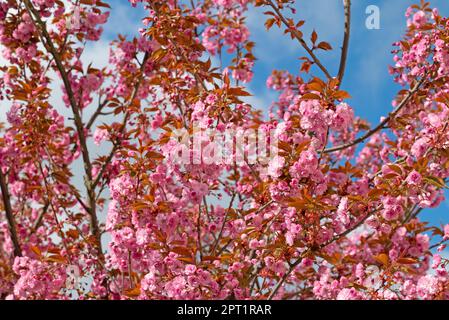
<point x="332" y="213"/>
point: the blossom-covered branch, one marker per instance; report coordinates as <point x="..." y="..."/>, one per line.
<point x="383" y="123"/>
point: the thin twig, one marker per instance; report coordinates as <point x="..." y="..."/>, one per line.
<point x="345" y="47"/>
<point x="40" y="218"/>
<point x="198" y="231"/>
<point x="10" y="215"/>
<point x="266" y="205"/>
<point x="312" y="249"/>
<point x="382" y="124"/>
<point x="223" y="225"/>
<point x="438" y="244"/>
<point x="96" y="114"/>
<point x="48" y="44"/>
<point x="123" y="125"/>
<point x="300" y="39"/>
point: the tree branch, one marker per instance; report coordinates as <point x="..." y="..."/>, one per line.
<point x="223" y="225"/>
<point x="40" y="218"/>
<point x="381" y="125"/>
<point x="10" y="215"/>
<point x="48" y="43"/>
<point x="300" y="39"/>
<point x="320" y="247"/>
<point x="344" y="50"/>
<point x="123" y="126"/>
<point x="96" y="114"/>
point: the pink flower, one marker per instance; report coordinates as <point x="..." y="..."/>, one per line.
<point x="190" y="269"/>
<point x="414" y="178"/>
<point x="342" y="117"/>
<point x="419" y="18"/>
<point x="37" y="279"/>
<point x="13" y="115"/>
<point x="157" y="122"/>
<point x="254" y="244"/>
<point x="142" y="237"/>
<point x="427" y="286"/>
<point x="279" y="267"/>
<point x="306" y="166"/>
<point x="100" y="135"/>
<point x="446" y="232"/>
<point x="121" y="187"/>
<point x="436" y="261"/>
<point x="342" y="211"/>
<point x="420" y="147"/>
<point x="197" y="191"/>
<point x="392" y="208"/>
<point x="348" y="294"/>
<point x="244" y="71"/>
<point x="25" y="29"/>
<point x="275" y="166"/>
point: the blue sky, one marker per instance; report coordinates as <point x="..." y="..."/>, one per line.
<point x="367" y="78"/>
